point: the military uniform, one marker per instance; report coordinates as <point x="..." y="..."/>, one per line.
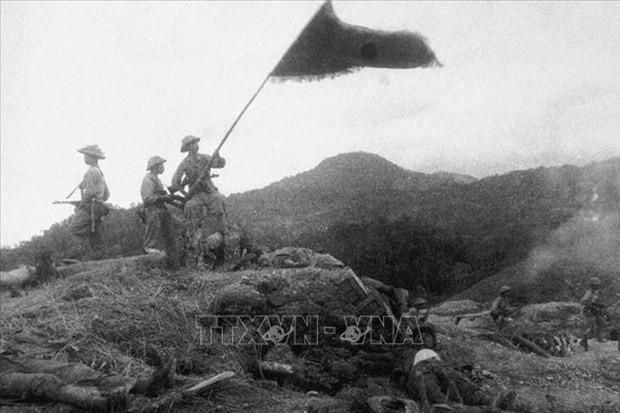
<point x="592" y="310"/>
<point x="299" y="257"/>
<point x="500" y="308"/>
<point x="23" y="378"/>
<point x="87" y="221"/>
<point x="430" y="381"/>
<point x="157" y="218"/>
<point x="205" y="212"/>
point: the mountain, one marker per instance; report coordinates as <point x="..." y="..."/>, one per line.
<point x="436" y="234"/>
<point x="439" y="232"/>
<point x="351" y="186"/>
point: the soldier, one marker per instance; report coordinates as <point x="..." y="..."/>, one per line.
<point x="205" y="211"/>
<point x="158" y="234"/>
<point x="500" y="308"/>
<point x="298" y="257"/>
<point x="87" y="222"/>
<point x="431" y="381"/>
<point x="418" y="305"/>
<point x="592" y="310"/>
<point x="25" y="378"/>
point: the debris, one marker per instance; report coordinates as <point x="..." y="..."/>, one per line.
<point x="470" y="316"/>
<point x="208" y="383"/>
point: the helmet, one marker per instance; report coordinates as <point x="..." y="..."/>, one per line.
<point x="505" y="289"/>
<point x="92" y="150"/>
<point x="594" y="281"/>
<point x="154" y="160"/>
<point x="425" y="354"/>
<point x="187" y="140"/>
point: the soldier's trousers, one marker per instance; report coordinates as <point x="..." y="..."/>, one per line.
<point x="205" y="215"/>
<point x="594" y="327"/>
<point x="82" y="227"/>
<point x="50" y="380"/>
<point x="158" y="227"/>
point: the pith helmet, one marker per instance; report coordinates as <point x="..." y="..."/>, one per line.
<point x="425" y="354"/>
<point x="187" y="140"/>
<point x="594" y="281"/>
<point x="505" y="289"/>
<point x="154" y="160"/>
<point x="92" y="150"/>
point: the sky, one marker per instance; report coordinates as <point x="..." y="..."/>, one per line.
<point x="523" y="85"/>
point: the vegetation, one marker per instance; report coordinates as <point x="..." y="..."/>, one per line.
<point x="434" y="234"/>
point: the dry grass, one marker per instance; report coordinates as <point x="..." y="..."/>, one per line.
<point x="121" y="322"/>
<point x="118" y="320"/>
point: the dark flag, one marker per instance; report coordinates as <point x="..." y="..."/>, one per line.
<point x="329" y="47"/>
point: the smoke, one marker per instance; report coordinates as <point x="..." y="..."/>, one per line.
<point x="588" y="238"/>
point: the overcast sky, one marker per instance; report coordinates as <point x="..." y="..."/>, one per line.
<point x="524" y="84"/>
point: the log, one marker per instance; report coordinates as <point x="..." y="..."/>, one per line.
<point x="18" y="277"/>
<point x="500" y="339"/>
<point x="531" y="345"/>
<point x="112" y="264"/>
<point x="471" y="316"/>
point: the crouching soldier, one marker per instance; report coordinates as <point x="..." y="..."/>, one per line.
<point x="500" y="308"/>
<point x="30" y="379"/>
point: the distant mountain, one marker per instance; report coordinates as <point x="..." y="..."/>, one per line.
<point x="437" y="234"/>
<point x="351" y="186"/>
<point x="456" y="178"/>
<point x="464" y="229"/>
<point x="356" y="186"/>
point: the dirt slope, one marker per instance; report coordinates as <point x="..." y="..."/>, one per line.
<point x="108" y="317"/>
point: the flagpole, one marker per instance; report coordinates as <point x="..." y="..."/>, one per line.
<point x="252" y="98"/>
<point x="239" y="116"/>
<point x="208" y="167"/>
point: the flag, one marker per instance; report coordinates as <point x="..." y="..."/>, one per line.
<point x="329" y="47"/>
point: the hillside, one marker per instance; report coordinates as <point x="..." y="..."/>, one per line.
<point x="120" y="317"/>
<point x="441" y="232"/>
<point x="436" y="234"/>
<point x="351" y="186"/>
<point x="585" y="246"/>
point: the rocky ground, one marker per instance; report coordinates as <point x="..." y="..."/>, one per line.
<point x="106" y="316"/>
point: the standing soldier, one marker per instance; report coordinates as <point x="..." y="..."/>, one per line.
<point x="159" y="233"/>
<point x="500" y="308"/>
<point x="592" y="310"/>
<point x="87" y="222"/>
<point x="205" y="212"/>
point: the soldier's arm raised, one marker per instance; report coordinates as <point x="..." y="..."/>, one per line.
<point x="176" y="183"/>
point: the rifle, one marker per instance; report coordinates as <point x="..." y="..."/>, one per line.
<point x="74" y="203"/>
<point x="72" y="192"/>
<point x="206" y="170"/>
<point x="596" y="309"/>
<point x="177" y="201"/>
<point x="92" y="217"/>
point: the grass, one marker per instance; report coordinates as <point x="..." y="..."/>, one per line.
<point x="122" y="320"/>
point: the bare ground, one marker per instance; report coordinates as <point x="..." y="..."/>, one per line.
<point x="90" y="317"/>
